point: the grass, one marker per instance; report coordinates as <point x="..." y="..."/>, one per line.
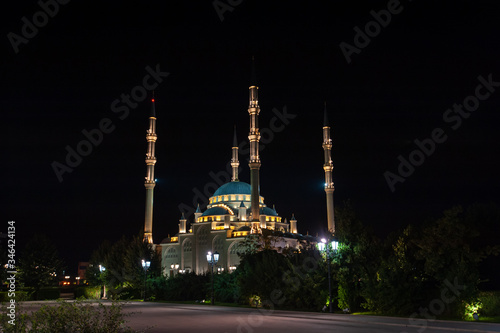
<point x="482" y="319"/>
<point x="231" y="305"/>
<point x="488" y="319"/>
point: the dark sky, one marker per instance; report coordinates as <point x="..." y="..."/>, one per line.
<point x="396" y="89"/>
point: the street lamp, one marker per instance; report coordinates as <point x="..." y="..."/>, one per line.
<point x="174" y="268"/>
<point x="145" y="266"/>
<point x="212" y="261"/>
<point x="102" y="269"/>
<point x="329" y="247"/>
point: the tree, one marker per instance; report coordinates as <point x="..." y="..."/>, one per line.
<point x="138" y="250"/>
<point x="485" y="219"/>
<point x="305" y="282"/>
<point x="123" y="263"/>
<point x="3" y="271"/>
<point x="267" y="240"/>
<point x="39" y="264"/>
<point x="445" y="246"/>
<point x="93" y="274"/>
<point x="357" y="260"/>
<point x="401" y="285"/>
<point x="261" y="274"/>
<point x="226" y="288"/>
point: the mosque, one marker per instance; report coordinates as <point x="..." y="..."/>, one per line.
<point x="235" y="210"/>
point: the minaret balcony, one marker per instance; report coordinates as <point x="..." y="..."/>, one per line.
<point x="151" y="137"/>
<point x="328" y="167"/>
<point x="149" y="184"/>
<point x="150" y="160"/>
<point x="254" y="137"/>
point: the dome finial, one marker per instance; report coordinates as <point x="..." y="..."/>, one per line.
<point x="253" y="78"/>
<point x="325" y="118"/>
<point x="235" y="138"/>
<point x="153" y="111"/>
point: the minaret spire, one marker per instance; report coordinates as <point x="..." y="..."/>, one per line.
<point x="234" y="160"/>
<point x="150" y="173"/>
<point x="254" y="138"/>
<point x="328" y="167"/>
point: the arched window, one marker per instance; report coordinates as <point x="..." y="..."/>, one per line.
<point x="171" y="253"/>
<point x="202" y="236"/>
<point x="188" y="246"/>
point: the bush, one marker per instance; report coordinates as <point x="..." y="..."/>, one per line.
<point x="88" y="292"/>
<point x="490" y="301"/>
<point x="226" y="288"/>
<point x="47" y="293"/>
<point x="77" y="317"/>
<point x="182" y="287"/>
<point x="19" y="297"/>
<point x="126" y="293"/>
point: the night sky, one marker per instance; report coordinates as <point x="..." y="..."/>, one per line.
<point x="396" y="88"/>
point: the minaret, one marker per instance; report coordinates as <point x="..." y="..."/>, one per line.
<point x="254" y="138"/>
<point x="293" y="224"/>
<point x="197" y="213"/>
<point x="150" y="174"/>
<point x="182" y="224"/>
<point x="328" y="167"/>
<point x="234" y="160"/>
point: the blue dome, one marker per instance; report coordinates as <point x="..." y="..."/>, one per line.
<point x="215" y="211"/>
<point x="268" y="211"/>
<point x="234" y="188"/>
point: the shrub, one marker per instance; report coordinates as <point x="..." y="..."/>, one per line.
<point x="182" y="287"/>
<point x="48" y="293"/>
<point x="19" y="297"/>
<point x="490" y="301"/>
<point x="226" y="288"/>
<point x="88" y="292"/>
<point x="75" y="317"/>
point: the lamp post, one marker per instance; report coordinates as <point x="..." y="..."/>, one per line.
<point x="174" y="267"/>
<point x="212" y="259"/>
<point x="102" y="269"/>
<point x="145" y="266"/>
<point x="329" y="247"/>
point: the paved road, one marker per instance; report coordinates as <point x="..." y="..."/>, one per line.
<point x="180" y="318"/>
<point x="202" y="318"/>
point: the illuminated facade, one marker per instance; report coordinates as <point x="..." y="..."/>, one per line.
<point x="235" y="211"/>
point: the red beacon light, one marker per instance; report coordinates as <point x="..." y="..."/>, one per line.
<point x="152" y="100"/>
